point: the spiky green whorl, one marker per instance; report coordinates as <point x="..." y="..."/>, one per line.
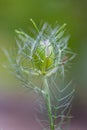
<point x="44" y="54"/>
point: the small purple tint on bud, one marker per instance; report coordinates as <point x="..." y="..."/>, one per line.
<point x="47" y="46"/>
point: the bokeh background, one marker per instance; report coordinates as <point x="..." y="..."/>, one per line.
<point x="15" y="14"/>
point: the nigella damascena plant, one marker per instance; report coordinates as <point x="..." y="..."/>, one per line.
<point x="45" y="55"/>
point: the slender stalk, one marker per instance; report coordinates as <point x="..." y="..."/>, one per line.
<point x="48" y="102"/>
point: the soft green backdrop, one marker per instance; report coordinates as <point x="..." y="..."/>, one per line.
<point x="15" y="14"/>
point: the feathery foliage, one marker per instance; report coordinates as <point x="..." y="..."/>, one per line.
<point x="45" y="56"/>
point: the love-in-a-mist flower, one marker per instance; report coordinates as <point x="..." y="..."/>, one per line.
<point x="43" y="54"/>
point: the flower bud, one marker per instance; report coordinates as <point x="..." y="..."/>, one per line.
<point x="44" y="56"/>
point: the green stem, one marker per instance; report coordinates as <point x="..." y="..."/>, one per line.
<point x="48" y="102"/>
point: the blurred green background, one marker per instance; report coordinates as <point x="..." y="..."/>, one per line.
<point x="15" y="14"/>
